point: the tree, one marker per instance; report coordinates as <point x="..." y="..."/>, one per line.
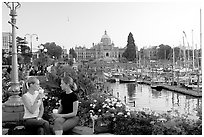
<point x="72" y="53"/>
<point x="130" y="51"/>
<point x="164" y="52"/>
<point x="53" y="50"/>
<point x="23" y="50"/>
<point x="177" y="53"/>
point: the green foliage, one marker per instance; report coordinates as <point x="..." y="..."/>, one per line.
<point x="53" y="50"/>
<point x="130" y="52"/>
<point x="43" y="60"/>
<point x="165" y="52"/>
<point x="24" y="50"/>
<point x="50" y="102"/>
<point x="6" y="83"/>
<point x="123" y="60"/>
<point x="72" y="53"/>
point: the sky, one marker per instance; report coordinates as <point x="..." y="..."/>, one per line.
<point x="71" y="24"/>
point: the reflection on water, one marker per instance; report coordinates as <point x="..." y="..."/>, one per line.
<point x="142" y="96"/>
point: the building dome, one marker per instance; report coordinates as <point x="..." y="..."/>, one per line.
<point x="106" y="39"/>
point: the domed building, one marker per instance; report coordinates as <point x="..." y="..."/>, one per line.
<point x="105" y="49"/>
<point x="106" y="39"/>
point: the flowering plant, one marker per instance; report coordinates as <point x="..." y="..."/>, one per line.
<point x="102" y="105"/>
<point x="50" y="102"/>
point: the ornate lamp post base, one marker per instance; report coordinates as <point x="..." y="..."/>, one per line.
<point x="12" y="113"/>
<point x="12" y="109"/>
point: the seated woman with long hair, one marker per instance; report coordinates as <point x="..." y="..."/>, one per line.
<point x="66" y="118"/>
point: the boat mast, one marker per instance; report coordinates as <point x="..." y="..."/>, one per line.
<point x="184" y="54"/>
<point x="193" y="51"/>
<point x="173" y="69"/>
<point x="201" y="41"/>
<point x="200" y="51"/>
<point x="187" y="58"/>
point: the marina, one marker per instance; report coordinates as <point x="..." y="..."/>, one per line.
<point x="139" y="96"/>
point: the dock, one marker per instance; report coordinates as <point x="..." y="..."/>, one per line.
<point x="189" y="92"/>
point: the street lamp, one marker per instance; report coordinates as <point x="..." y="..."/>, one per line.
<point x="31" y="48"/>
<point x="12" y="109"/>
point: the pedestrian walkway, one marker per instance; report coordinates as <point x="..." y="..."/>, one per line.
<point x="78" y="130"/>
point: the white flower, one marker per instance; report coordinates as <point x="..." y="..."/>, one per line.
<point x="120" y="113"/>
<point x="91" y="105"/>
<point x="91" y="110"/>
<point x="93" y="117"/>
<point x="162" y="119"/>
<point x="125" y="116"/>
<point x="107" y="100"/>
<point x="118" y="104"/>
<point x="99" y="110"/>
<point x="114" y="100"/>
<point x="128" y="113"/>
<point x="95" y="100"/>
<point x="152" y="122"/>
<point x="156" y="114"/>
<point x="94" y="105"/>
<point x="104" y="105"/>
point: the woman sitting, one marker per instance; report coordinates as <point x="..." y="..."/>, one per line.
<point x="66" y="118"/>
<point x="33" y="106"/>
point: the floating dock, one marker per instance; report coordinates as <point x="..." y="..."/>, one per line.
<point x="179" y="90"/>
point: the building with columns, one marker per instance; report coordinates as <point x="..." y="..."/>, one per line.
<point x="103" y="50"/>
<point x="6" y="41"/>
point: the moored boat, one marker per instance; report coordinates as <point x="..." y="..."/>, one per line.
<point x="127" y="79"/>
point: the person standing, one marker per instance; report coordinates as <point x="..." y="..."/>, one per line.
<point x="33" y="106"/>
<point x="66" y="118"/>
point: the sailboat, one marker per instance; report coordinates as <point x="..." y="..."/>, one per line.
<point x="193" y="84"/>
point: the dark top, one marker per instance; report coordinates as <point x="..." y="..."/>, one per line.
<point x="67" y="102"/>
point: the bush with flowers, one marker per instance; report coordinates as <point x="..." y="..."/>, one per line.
<point x="102" y="108"/>
<point x="50" y="101"/>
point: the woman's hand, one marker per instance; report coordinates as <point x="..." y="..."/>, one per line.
<point x="39" y="118"/>
<point x="55" y="115"/>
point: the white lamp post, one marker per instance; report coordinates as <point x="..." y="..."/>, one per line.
<point x="12" y="109"/>
<point x="31" y="45"/>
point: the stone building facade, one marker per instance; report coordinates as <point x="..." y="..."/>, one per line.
<point x="104" y="49"/>
<point x="6" y="41"/>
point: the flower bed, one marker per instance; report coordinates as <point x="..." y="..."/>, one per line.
<point x="110" y="115"/>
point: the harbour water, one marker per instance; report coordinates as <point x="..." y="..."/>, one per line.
<point x="140" y="97"/>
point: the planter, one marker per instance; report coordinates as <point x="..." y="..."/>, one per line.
<point x="102" y="125"/>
